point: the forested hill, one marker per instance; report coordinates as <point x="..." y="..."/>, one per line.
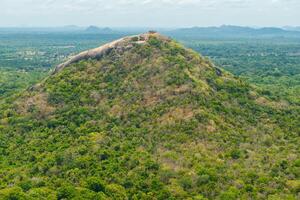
<point x="146" y="118"/>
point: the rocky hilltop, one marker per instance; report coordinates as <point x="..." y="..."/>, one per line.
<point x="122" y="44"/>
<point x="145" y="118"/>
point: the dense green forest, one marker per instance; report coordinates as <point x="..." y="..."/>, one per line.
<point x="26" y="58"/>
<point x="154" y="120"/>
<point x="14" y="80"/>
<point x="270" y="63"/>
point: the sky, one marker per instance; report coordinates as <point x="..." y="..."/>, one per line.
<point x="149" y="13"/>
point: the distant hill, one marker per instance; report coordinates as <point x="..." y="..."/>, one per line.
<point x="143" y="117"/>
<point x="95" y="29"/>
<point x="233" y="31"/>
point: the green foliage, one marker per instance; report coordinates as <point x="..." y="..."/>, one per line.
<point x="116" y="192"/>
<point x="235" y="154"/>
<point x="95" y="184"/>
<point x="14" y="193"/>
<point x="42" y="194"/>
<point x="231" y="194"/>
<point x="153" y="122"/>
<point x="270" y="63"/>
<point x="66" y="192"/>
<point x="13" y="81"/>
<point x="153" y="41"/>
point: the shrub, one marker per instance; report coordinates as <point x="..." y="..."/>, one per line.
<point x="66" y="192"/>
<point x="153" y="41"/>
<point x="95" y="184"/>
<point x="116" y="192"/>
<point x="42" y="194"/>
<point x="14" y="193"/>
<point x="235" y="154"/>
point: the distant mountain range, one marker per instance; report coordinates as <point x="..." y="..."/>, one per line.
<point x="225" y="31"/>
<point x="233" y="31"/>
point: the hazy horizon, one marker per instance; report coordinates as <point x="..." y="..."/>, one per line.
<point x="149" y="13"/>
<point x="139" y="27"/>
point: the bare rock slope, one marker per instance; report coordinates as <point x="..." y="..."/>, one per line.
<point x="120" y="44"/>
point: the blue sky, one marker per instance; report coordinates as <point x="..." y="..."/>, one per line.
<point x="149" y="13"/>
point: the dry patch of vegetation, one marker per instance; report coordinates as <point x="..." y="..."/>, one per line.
<point x="176" y="114"/>
<point x="37" y="103"/>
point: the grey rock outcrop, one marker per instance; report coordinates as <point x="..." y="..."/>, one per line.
<point x="121" y="44"/>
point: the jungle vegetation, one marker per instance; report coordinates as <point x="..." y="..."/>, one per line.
<point x="156" y="121"/>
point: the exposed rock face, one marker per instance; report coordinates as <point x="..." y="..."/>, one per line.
<point x="121" y="44"/>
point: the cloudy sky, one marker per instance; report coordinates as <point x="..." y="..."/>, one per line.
<point x="149" y="13"/>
